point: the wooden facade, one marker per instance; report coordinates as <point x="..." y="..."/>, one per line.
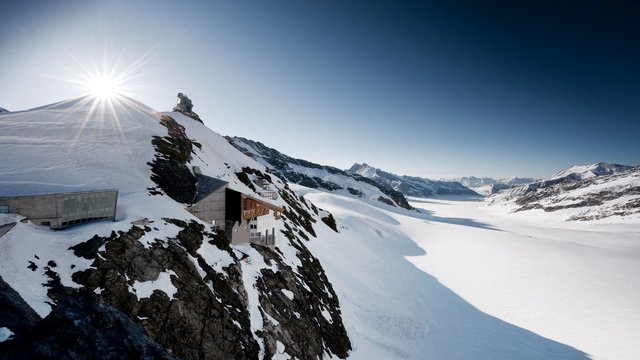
<point x="252" y="208"/>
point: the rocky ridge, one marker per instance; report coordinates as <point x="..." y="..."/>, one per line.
<point x="411" y="185"/>
<point x="315" y="176"/>
<point x="590" y="192"/>
<point x="83" y="327"/>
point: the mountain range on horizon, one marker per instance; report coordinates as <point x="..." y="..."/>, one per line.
<point x="352" y="259"/>
<point x="412" y="185"/>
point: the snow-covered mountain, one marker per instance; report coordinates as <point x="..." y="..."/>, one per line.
<point x="158" y="282"/>
<point x="167" y="271"/>
<point x="411" y="185"/>
<point x="589" y="192"/>
<point x="3" y="110"/>
<point x="488" y="186"/>
<point x="580" y="172"/>
<point x="315" y="176"/>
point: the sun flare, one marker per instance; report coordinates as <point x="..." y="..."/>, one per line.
<point x="103" y="87"/>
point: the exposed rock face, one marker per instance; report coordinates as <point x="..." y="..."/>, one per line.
<point x="309" y="321"/>
<point x="3" y="110"/>
<point x="15" y="313"/>
<point x="169" y="168"/>
<point x="301" y="300"/>
<point x="396" y="196"/>
<point x="179" y="281"/>
<point x="608" y="191"/>
<point x="287" y="168"/>
<point x="81" y="327"/>
<point x="589" y="171"/>
<point x="411" y="185"/>
<point x="206" y="318"/>
<point x="308" y="316"/>
<point x="185" y="107"/>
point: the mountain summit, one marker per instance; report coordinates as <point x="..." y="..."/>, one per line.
<point x="589" y="171"/>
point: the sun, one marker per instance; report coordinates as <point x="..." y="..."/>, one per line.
<point x="103" y="87"/>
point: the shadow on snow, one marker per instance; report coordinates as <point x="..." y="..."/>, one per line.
<point x="393" y="310"/>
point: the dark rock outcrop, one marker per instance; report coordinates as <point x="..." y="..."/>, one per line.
<point x="185" y="106"/>
<point x="330" y="221"/>
<point x="304" y="306"/>
<point x="82" y="327"/>
<point x="169" y="168"/>
<point x="396" y="196"/>
<point x="206" y="319"/>
<point x="15" y="313"/>
<point x="301" y="300"/>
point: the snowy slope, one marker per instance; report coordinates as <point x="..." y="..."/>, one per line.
<point x="77" y="145"/>
<point x="84" y="144"/>
<point x="396" y="307"/>
<point x="591" y="192"/>
<point x="411" y="185"/>
<point x="47" y="154"/>
<point x="383" y="274"/>
<point x="313" y="175"/>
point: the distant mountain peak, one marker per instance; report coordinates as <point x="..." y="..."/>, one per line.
<point x="3" y="110"/>
<point x="306" y="173"/>
<point x="411" y="185"/>
<point x="592" y="170"/>
<point x="363" y="169"/>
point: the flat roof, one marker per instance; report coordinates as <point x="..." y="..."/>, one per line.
<point x="207" y="185"/>
<point x="62" y="193"/>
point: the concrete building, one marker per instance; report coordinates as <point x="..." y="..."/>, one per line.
<point x="62" y="210"/>
<point x="243" y="218"/>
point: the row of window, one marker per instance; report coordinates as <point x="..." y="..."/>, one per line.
<point x="88" y="206"/>
<point x="82" y="221"/>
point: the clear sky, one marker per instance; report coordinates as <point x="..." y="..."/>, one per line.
<point x="435" y="89"/>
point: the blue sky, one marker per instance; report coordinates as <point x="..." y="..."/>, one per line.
<point x="443" y="89"/>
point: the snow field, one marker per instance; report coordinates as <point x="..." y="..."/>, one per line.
<point x="460" y="280"/>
